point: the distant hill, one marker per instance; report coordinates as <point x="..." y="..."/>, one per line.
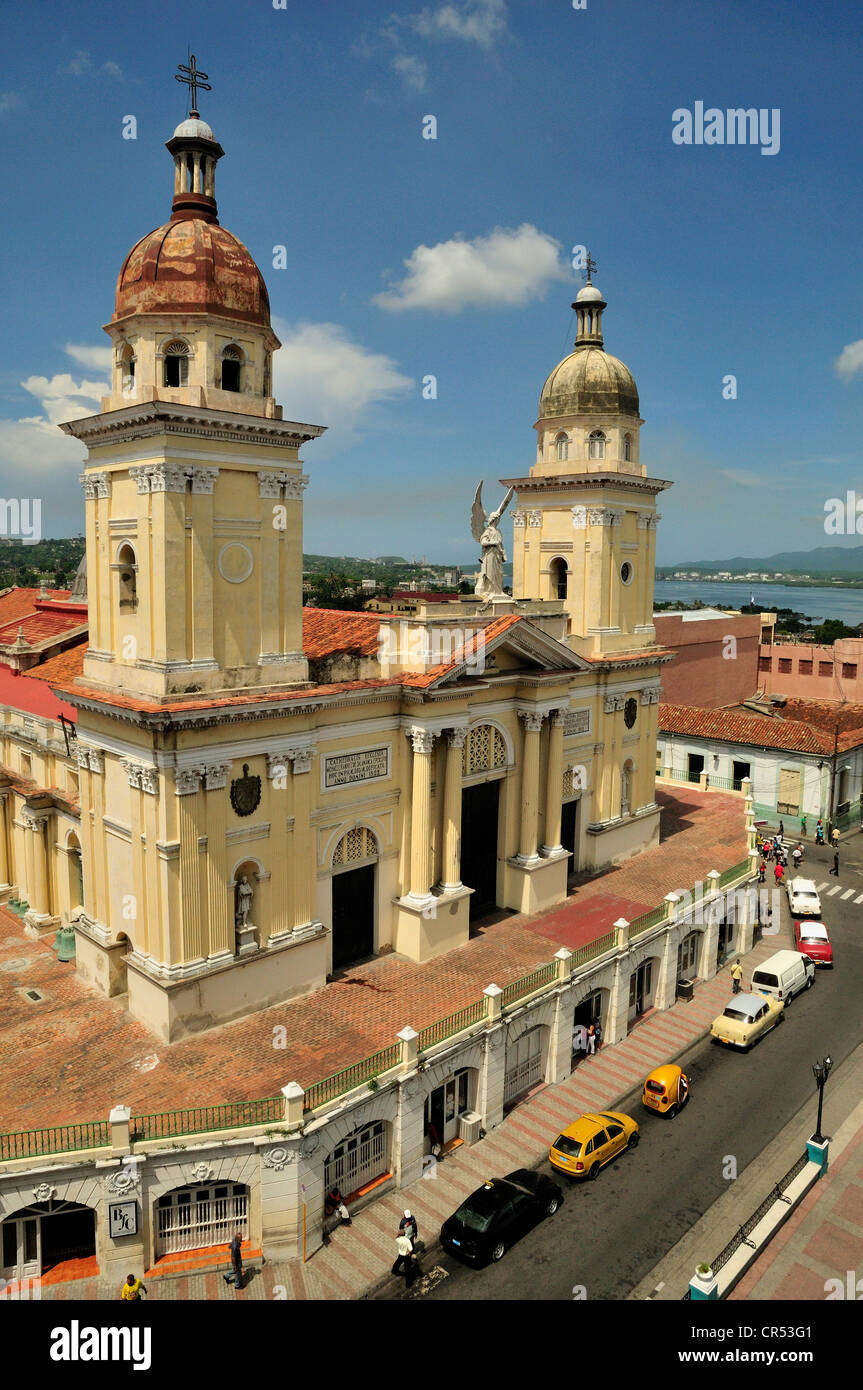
<point x="824" y="559"/>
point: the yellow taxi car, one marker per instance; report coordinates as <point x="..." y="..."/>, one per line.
<point x="746" y="1018"/>
<point x="665" y="1090"/>
<point x="592" y="1141"/>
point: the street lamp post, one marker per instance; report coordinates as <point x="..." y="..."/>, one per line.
<point x="821" y="1070"/>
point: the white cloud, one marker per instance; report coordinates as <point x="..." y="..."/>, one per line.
<point x="476" y="21"/>
<point x="321" y="376"/>
<point x="412" y="71"/>
<point x="80" y="64"/>
<point x="510" y="266"/>
<point x="850" y="360"/>
<point x="10" y="101"/>
<point x="97" y="357"/>
<point x="63" y="398"/>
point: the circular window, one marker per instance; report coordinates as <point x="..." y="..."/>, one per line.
<point x="630" y="713"/>
<point x="626" y="571"/>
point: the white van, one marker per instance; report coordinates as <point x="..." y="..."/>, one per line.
<point x="784" y="975"/>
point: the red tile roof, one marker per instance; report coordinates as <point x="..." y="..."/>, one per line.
<point x="756" y="730"/>
<point x="327" y="631"/>
<point x="425" y="595"/>
<point x="65" y="666"/>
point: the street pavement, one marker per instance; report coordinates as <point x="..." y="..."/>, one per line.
<point x="609" y="1236"/>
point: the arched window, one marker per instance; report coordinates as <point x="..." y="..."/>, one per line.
<point x="627" y="448"/>
<point x="484" y="750"/>
<point x="559" y="578"/>
<point x="127" y="369"/>
<point x="626" y="774"/>
<point x="268" y="373"/>
<point x="231" y="359"/>
<point x="562" y="443"/>
<point x="596" y="445"/>
<point x="127" y="568"/>
<point x="177" y="363"/>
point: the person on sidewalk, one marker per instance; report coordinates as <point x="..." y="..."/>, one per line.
<point x="736" y="976"/>
<point x="803" y="825"/>
<point x="132" y="1289"/>
<point x="778" y="874"/>
<point x="762" y="870"/>
<point x="408" y="1226"/>
<point x="796" y="855"/>
<point x="819" y="832"/>
<point x="597" y="1029"/>
<point x="236" y="1275"/>
<point x="591" y="1040"/>
<point x="834" y="838"/>
<point x="405" y="1259"/>
<point x="336" y="1203"/>
<point x="835" y="869"/>
<point x="781" y="830"/>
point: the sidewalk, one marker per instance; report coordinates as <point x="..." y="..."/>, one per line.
<point x="823" y="1240"/>
<point x="357" y="1259"/>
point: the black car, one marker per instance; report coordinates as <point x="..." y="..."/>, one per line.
<point x="498" y="1213"/>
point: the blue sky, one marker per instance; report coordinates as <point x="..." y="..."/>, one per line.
<point x="554" y="130"/>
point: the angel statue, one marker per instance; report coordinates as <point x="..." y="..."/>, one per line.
<point x="489" y="583"/>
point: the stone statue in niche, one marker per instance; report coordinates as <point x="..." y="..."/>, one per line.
<point x="243" y="895"/>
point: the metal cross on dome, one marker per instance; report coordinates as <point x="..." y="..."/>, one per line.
<point x="589" y="265"/>
<point x="193" y="79"/>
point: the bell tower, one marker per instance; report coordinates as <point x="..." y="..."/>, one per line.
<point x="584" y="526"/>
<point x="193" y="483"/>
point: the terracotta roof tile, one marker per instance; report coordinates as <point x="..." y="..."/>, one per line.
<point x="327" y="631"/>
<point x="63" y="667"/>
<point x="757" y="730"/>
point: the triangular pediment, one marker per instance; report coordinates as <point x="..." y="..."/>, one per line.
<point x="521" y="647"/>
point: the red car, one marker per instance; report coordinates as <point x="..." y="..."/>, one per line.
<point x="813" y="941"/>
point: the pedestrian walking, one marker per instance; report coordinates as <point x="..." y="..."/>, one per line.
<point x="132" y="1289"/>
<point x="762" y="870"/>
<point x="803" y="825"/>
<point x="819" y="832"/>
<point x="781" y="830"/>
<point x="835" y="836"/>
<point x="597" y="1031"/>
<point x="835" y="869"/>
<point x="408" y="1226"/>
<point x="236" y="1275"/>
<point x="796" y="856"/>
<point x="591" y="1040"/>
<point x="736" y="976"/>
<point x="778" y="874"/>
<point x="405" y="1262"/>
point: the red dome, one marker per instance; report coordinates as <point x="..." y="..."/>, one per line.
<point x="192" y="266"/>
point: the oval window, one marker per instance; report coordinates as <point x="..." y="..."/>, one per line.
<point x="630" y="713"/>
<point x="626" y="571"/>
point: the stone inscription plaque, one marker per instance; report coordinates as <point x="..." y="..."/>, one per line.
<point x="576" y="722"/>
<point x="366" y="766"/>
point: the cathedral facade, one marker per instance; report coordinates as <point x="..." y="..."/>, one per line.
<point x="261" y="795"/>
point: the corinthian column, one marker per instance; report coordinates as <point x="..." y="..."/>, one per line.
<point x="421" y="871"/>
<point x="554" y="784"/>
<point x="532" y="721"/>
<point x="37" y="889"/>
<point x="452" y="810"/>
<point x="4" y="852"/>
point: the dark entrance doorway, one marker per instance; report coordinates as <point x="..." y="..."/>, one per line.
<point x="479" y="808"/>
<point x="695" y="767"/>
<point x="353" y="916"/>
<point x="568" y="834"/>
<point x="68" y="1235"/>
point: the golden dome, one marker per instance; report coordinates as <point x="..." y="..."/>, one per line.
<point x="589" y="382"/>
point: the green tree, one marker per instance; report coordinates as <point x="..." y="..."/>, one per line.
<point x="827" y="632"/>
<point x="331" y="590"/>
